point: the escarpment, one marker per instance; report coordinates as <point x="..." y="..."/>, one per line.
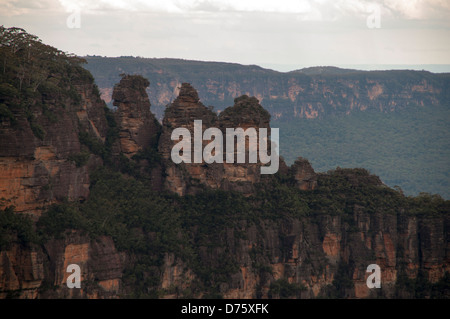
<point x="42" y="160"/>
<point x="103" y="191"/>
<point x="315" y="92"/>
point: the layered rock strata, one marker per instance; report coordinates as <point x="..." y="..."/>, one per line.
<point x="138" y="127"/>
<point x="188" y="177"/>
<point x="35" y="172"/>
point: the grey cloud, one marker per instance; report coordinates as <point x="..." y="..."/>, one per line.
<point x="332" y="33"/>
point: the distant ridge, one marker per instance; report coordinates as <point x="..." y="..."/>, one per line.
<point x="318" y="70"/>
<point x="309" y="92"/>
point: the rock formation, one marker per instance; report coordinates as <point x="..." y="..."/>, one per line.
<point x="181" y="113"/>
<point x="35" y="172"/>
<point x="304" y="174"/>
<point x="187" y="178"/>
<point x="138" y="127"/>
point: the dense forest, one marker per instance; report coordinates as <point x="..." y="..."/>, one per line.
<point x="409" y="149"/>
<point x="33" y="76"/>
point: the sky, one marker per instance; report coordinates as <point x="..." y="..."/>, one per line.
<point x="280" y="34"/>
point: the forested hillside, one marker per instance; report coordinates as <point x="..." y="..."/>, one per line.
<point x="408" y="148"/>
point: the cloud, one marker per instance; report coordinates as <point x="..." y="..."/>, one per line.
<point x="306" y="10"/>
<point x="309" y="9"/>
<point x="419" y="9"/>
<point x="18" y="7"/>
<point x="307" y="32"/>
<point x="97" y="6"/>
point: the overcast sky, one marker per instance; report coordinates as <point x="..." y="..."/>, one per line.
<point x="278" y="33"/>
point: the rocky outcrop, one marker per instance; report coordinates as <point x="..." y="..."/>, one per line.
<point x="37" y="152"/>
<point x="181" y="114"/>
<point x="189" y="177"/>
<point x="245" y="113"/>
<point x="138" y="127"/>
<point x="304" y="175"/>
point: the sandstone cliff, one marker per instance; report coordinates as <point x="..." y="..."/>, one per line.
<point x="318" y="256"/>
<point x="186" y="178"/>
<point x="41" y="272"/>
<point x="104" y="194"/>
<point x="138" y="127"/>
<point x="287" y="96"/>
<point x="36" y="171"/>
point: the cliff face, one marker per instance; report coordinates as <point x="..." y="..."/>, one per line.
<point x="41" y="272"/>
<point x="187" y="178"/>
<point x="36" y="171"/>
<point x="325" y="255"/>
<point x="297" y="94"/>
<point x="314" y="254"/>
<point x="181" y="114"/>
<point x="138" y="127"/>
